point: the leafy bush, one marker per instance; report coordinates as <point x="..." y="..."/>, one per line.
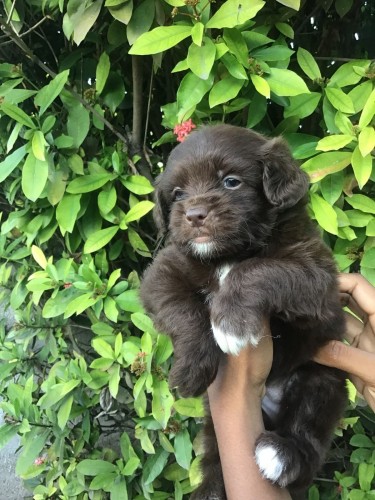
<point x="81" y="137"/>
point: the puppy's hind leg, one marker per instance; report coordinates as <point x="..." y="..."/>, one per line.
<point x="311" y="406"/>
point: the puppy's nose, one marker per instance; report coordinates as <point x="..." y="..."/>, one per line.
<point x="196" y="215"/>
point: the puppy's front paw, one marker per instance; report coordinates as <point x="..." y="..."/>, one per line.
<point x="277" y="458"/>
<point x="192" y="379"/>
<point x="231" y="343"/>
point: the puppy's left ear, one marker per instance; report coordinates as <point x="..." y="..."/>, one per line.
<point x="284" y="183"/>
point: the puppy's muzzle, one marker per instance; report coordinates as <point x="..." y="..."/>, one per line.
<point x="196" y="216"/>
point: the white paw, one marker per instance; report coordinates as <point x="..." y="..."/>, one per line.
<point x="269" y="462"/>
<point x="231" y="344"/>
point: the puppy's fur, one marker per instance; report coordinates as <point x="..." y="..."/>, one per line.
<point x="241" y="248"/>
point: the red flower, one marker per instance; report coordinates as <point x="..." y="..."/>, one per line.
<point x="183" y="129"/>
<point x="67" y="285"/>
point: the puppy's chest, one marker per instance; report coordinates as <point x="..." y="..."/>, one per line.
<point x="216" y="281"/>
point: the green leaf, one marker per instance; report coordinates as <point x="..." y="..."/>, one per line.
<point x="191" y="91"/>
<point x="361" y="441"/>
<point x="308" y="64"/>
<point x="56" y="392"/>
<point x="103" y="348"/>
<point x="141" y="20"/>
<point x="346" y="75"/>
<point x="334" y="142"/>
<point x="234" y="12"/>
<point x="107" y="199"/>
<point x="368" y="259"/>
<point x="7" y="432"/>
<point x="114" y="380"/>
<point x="257" y="110"/>
<point x="119" y="489"/>
<point x="34" y="443"/>
<point x="137" y="184"/>
<point x="359" y="95"/>
<point x="17" y="114"/>
<point x="285" y="29"/>
<point x="361" y="202"/>
<point x="123" y="12"/>
<point x="261" y="85"/>
<point x="326" y="163"/>
<point x="324" y="213"/>
<point x="190" y="407"/>
<point x="49" y="93"/>
<point x="11" y="162"/>
<point x="160" y="39"/>
<point x="83" y="18"/>
<point x="332" y="186"/>
<point x="64" y="412"/>
<point x="358" y="218"/>
<point x="273" y="53"/>
<point x="34" y="177"/>
<point x="78" y="123"/>
<point x="362" y="167"/>
<point x="366" y="474"/>
<point x="370" y="229"/>
<point x="344" y="124"/>
<point x="163" y="349"/>
<point x="284" y="82"/>
<point x="201" y="58"/>
<point x="339" y="100"/>
<point x="293" y="4"/>
<point x="38" y="145"/>
<point x="343" y="7"/>
<point x="154" y="466"/>
<point x="237" y="45"/>
<point x="67" y="211"/>
<point x="302" y="105"/>
<point x="129" y="301"/>
<point x="138" y="211"/>
<point x="102" y="72"/>
<point x="90" y="467"/>
<point x="162" y="402"/>
<point x="366" y="140"/>
<point x="183" y="448"/>
<point x="224" y="90"/>
<point x="137" y="243"/>
<point x="87" y="183"/>
<point x="234" y="67"/>
<point x="368" y="111"/>
<point x="197" y="33"/>
<point x="99" y="239"/>
<point x="142" y="322"/>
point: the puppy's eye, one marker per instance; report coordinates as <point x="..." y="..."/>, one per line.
<point x="231" y="182"/>
<point x="178" y="194"/>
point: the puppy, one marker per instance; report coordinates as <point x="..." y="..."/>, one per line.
<point x="241" y="248"/>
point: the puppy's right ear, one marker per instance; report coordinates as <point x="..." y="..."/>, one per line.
<point x="161" y="212"/>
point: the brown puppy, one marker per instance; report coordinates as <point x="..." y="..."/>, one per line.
<point x="242" y="248"/>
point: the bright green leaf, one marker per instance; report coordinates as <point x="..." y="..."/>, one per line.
<point x="160" y="39"/>
<point x="34" y="177"/>
<point x="48" y="94"/>
<point x="362" y="167"/>
<point x="99" y="239"/>
<point x="324" y="213"/>
<point x="308" y="64"/>
<point x="234" y="12"/>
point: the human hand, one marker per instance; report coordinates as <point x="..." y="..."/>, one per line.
<point x="358" y="358"/>
<point x="245" y="373"/>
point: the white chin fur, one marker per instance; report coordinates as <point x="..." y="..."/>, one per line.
<point x="269" y="462"/>
<point x="203" y="249"/>
<point x="230" y="344"/>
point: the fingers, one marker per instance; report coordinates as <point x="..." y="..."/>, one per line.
<point x="354" y="328"/>
<point x="350" y="359"/>
<point x="362" y="292"/>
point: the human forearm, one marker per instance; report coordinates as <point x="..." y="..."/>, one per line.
<point x="235" y="404"/>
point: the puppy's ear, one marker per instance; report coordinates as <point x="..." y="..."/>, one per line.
<point x="284" y="183"/>
<point x="160" y="211"/>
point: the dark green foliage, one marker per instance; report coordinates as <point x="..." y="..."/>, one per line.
<point x="86" y="120"/>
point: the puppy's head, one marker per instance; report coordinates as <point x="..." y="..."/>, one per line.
<point x="222" y="189"/>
